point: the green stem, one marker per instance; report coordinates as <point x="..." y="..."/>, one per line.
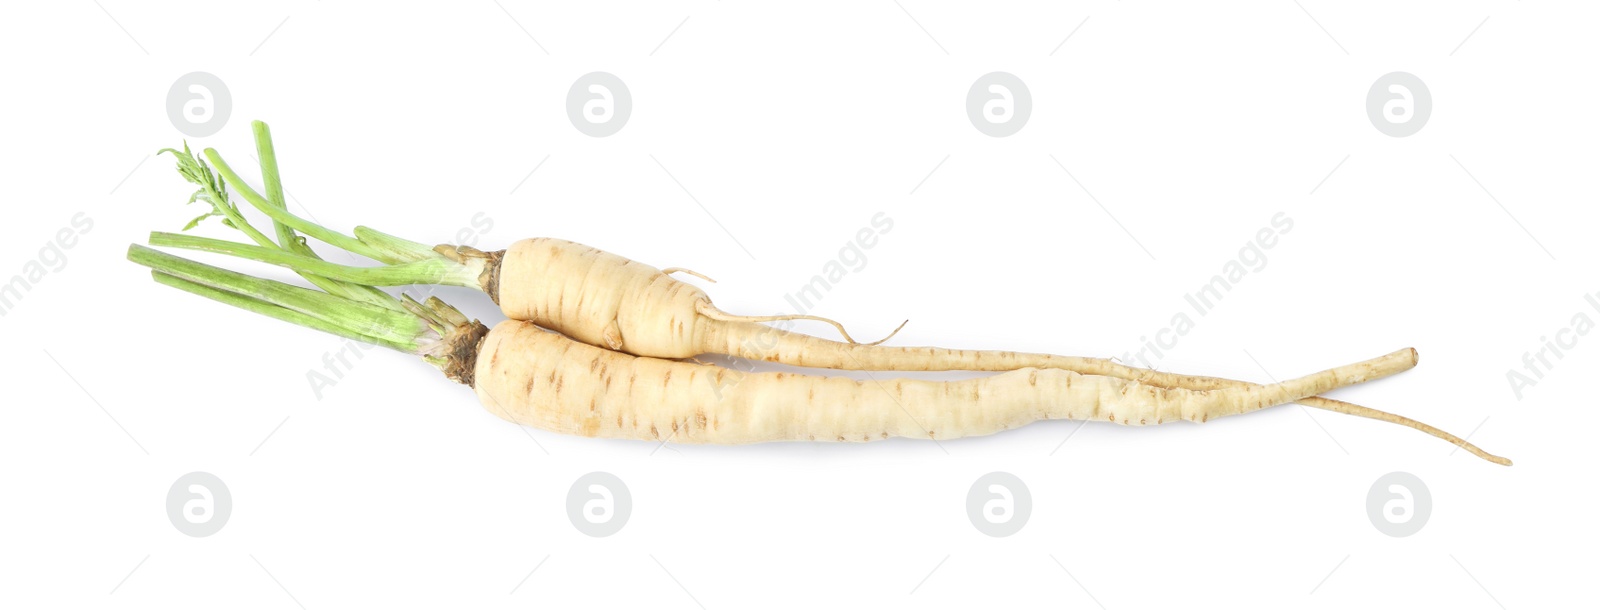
<point x="435" y="331"/>
<point x="197" y="172"/>
<point x="400" y="249"/>
<point x="341" y="316"/>
<point x="232" y="215"/>
<point x="274" y="186"/>
<point x="286" y="235"/>
<point x="315" y="230"/>
<point x="377" y="324"/>
<point x="431" y="271"/>
<point x="282" y="313"/>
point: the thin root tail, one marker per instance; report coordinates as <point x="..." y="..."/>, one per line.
<point x="672" y="270"/>
<point x="1339" y="406"/>
<point x="708" y="310"/>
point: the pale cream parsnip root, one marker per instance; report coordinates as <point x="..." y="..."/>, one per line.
<point x="607" y="300"/>
<point x="539" y="378"/>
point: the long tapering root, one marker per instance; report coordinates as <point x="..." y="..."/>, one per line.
<point x="1389" y="365"/>
<point x="1339" y="406"/>
<point x="764" y="343"/>
<point x="1295" y="390"/>
<point x="1362" y="372"/>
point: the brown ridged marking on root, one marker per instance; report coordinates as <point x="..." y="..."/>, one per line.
<point x="462" y="357"/>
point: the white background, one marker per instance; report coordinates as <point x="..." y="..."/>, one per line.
<point x="791" y="126"/>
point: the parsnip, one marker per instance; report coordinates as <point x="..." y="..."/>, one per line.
<point x="540" y="378"/>
<point x="606" y="300"/>
<point x="609" y="301"/>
